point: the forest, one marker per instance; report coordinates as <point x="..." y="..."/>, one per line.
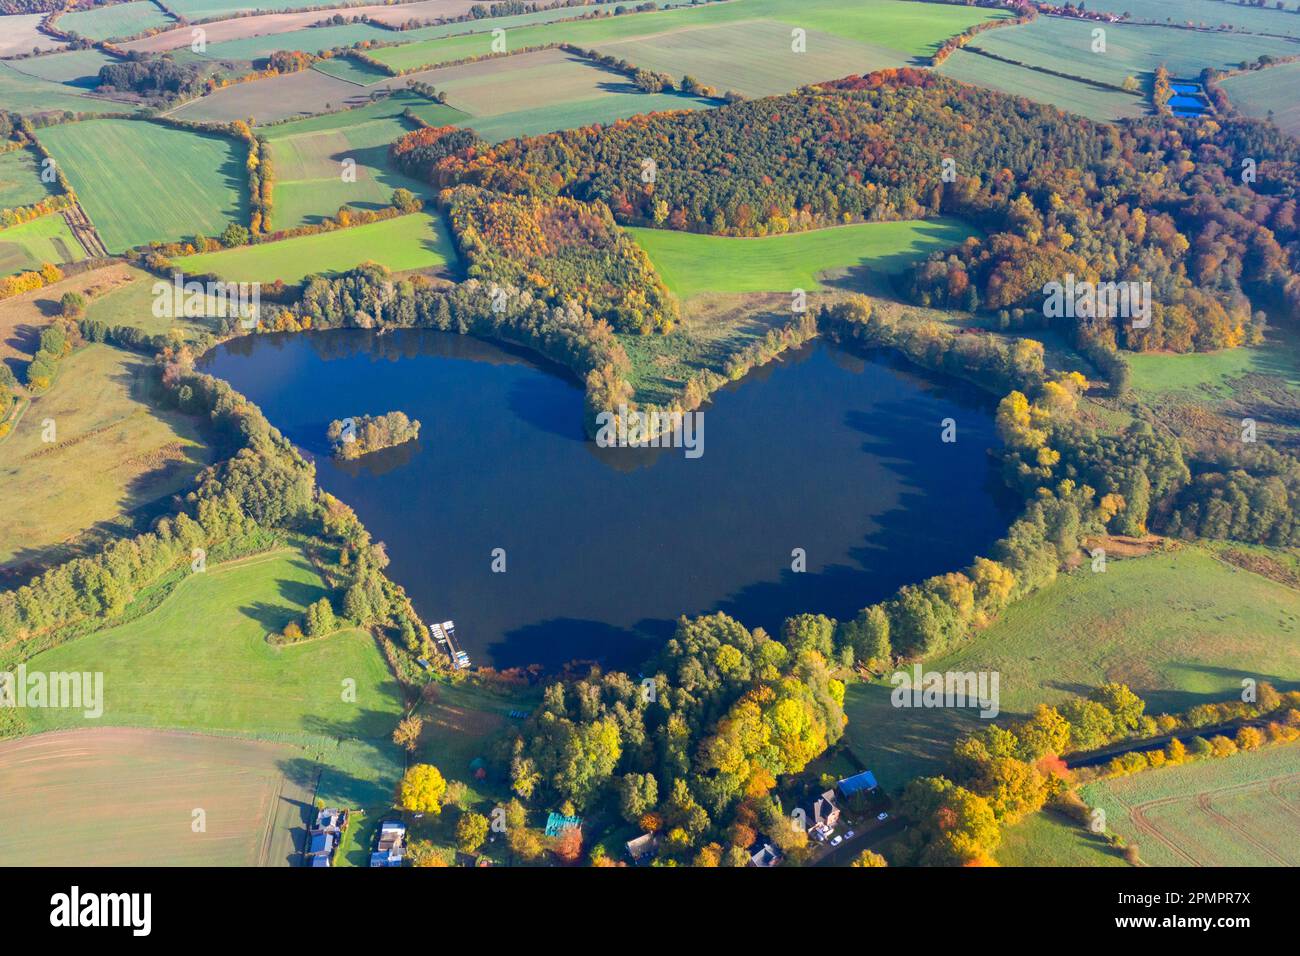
<point x="1054" y="195"/>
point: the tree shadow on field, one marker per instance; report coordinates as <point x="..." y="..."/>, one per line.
<point x="304" y="774"/>
<point x="235" y="178"/>
<point x="365" y="724"/>
<point x="295" y="597"/>
<point x="1171" y="700"/>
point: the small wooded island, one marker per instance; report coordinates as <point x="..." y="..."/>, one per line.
<point x="353" y="437"/>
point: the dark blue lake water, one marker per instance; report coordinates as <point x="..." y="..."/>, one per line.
<point x="834" y="453"/>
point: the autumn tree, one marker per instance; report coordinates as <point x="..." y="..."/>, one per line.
<point x="421" y="789"/>
<point x="471" y="831"/>
<point x="407" y="734"/>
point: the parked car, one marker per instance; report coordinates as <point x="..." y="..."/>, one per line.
<point x="837" y="841"/>
<point x="849" y="835"/>
<point x="882" y="816"/>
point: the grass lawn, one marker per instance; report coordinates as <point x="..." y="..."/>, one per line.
<point x="1242" y="810"/>
<point x="118" y="20"/>
<point x="132" y="304"/>
<point x="417" y="241"/>
<point x="1209" y="374"/>
<point x="1179" y="628"/>
<point x="180" y="183"/>
<point x="116" y="453"/>
<point x="1048" y="839"/>
<point x="200" y="661"/>
<point x="47" y="239"/>
<point x="692" y="264"/>
<point x="127" y="798"/>
<point x="460" y="725"/>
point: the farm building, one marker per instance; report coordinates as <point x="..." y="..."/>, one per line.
<point x="643" y="849"/>
<point x="324" y="837"/>
<point x="864" y="782"/>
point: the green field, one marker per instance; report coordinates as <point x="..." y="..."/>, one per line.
<point x="132" y="304"/>
<point x="1269" y="93"/>
<point x="1208" y="375"/>
<point x="1069" y="95"/>
<point x="539" y="92"/>
<point x="180" y="184"/>
<point x="1179" y="628"/>
<point x="115" y="797"/>
<point x="576" y="113"/>
<point x="75" y="68"/>
<point x="118" y="20"/>
<point x="691" y="264"/>
<point x="354" y="71"/>
<point x="755" y="57"/>
<point x="22" y="93"/>
<point x="20" y="179"/>
<point x="1207" y="13"/>
<point x="47" y="239"/>
<point x="309" y="154"/>
<point x="1242" y="810"/>
<point x="200" y="661"/>
<point x="909" y="28"/>
<point x="285" y="97"/>
<point x="418" y="241"/>
<point x="1048" y="839"/>
<point x="116" y="452"/>
<point x="1066" y="45"/>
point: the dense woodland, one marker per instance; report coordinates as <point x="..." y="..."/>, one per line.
<point x="1055" y="195"/>
<point x="693" y="751"/>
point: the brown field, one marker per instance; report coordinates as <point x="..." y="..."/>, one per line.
<point x="298" y="94"/>
<point x="118" y="797"/>
<point x="21" y="36"/>
<point x="269" y="24"/>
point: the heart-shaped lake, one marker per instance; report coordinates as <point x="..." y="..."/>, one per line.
<point x="833" y="453"/>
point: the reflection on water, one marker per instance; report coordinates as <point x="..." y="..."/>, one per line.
<point x="834" y="453"/>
